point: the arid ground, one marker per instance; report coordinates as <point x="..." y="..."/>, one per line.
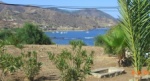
<point x="50" y="73"/>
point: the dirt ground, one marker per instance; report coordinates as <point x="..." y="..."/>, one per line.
<point x="50" y="73"/>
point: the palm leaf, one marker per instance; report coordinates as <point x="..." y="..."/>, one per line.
<point x="135" y="23"/>
<point x="114" y="40"/>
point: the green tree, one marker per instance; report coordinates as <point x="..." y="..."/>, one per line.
<point x="73" y="66"/>
<point x="5" y="33"/>
<point x="30" y="34"/>
<point x="135" y="23"/>
<point x="113" y="42"/>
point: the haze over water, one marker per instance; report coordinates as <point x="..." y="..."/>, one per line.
<point x="88" y="37"/>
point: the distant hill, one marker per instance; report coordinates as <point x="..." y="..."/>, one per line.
<point x="53" y="18"/>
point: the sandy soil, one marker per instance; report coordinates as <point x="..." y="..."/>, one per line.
<point x="50" y="73"/>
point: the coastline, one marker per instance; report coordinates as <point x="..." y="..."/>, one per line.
<point x="77" y="29"/>
<point x="87" y="36"/>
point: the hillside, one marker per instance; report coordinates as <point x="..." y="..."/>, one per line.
<point x="53" y="18"/>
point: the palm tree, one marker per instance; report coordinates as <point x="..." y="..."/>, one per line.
<point x="113" y="42"/>
<point x="135" y="23"/>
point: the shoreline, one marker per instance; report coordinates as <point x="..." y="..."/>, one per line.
<point x="76" y="30"/>
<point x="63" y="37"/>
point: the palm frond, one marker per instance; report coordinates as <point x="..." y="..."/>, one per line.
<point x="135" y="23"/>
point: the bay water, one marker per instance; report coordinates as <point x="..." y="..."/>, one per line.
<point x="87" y="36"/>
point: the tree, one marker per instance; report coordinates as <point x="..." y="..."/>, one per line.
<point x="5" y="33"/>
<point x="113" y="42"/>
<point x="74" y="66"/>
<point x="135" y="23"/>
<point x="30" y="34"/>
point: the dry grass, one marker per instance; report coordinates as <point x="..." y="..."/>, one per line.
<point x="50" y="73"/>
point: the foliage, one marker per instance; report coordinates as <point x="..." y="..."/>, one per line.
<point x="98" y="41"/>
<point x="77" y="42"/>
<point x="113" y="42"/>
<point x="15" y="40"/>
<point x="30" y="34"/>
<point x="148" y="64"/>
<point x="28" y="62"/>
<point x="8" y="62"/>
<point x="5" y="33"/>
<point x="73" y="66"/>
<point x="135" y="23"/>
<point x="31" y="66"/>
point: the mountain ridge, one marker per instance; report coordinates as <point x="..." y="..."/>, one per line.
<point x="54" y="18"/>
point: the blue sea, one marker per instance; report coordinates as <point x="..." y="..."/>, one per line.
<point x="88" y="37"/>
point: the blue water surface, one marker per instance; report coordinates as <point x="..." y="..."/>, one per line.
<point x="88" y="37"/>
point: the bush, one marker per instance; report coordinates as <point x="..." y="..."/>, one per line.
<point x="98" y="41"/>
<point x="30" y="34"/>
<point x="5" y="33"/>
<point x="31" y="66"/>
<point x="8" y="63"/>
<point x="73" y="67"/>
<point x="77" y="42"/>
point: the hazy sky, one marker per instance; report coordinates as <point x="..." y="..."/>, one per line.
<point x="80" y="3"/>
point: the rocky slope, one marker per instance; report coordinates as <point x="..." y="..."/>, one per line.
<point x="53" y="18"/>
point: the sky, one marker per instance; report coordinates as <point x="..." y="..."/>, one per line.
<point x="77" y="3"/>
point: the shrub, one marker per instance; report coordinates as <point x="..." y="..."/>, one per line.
<point x="73" y="67"/>
<point x="15" y="40"/>
<point x="31" y="66"/>
<point x="98" y="41"/>
<point x="30" y="34"/>
<point x="5" y="33"/>
<point x="77" y="42"/>
<point x="8" y="63"/>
